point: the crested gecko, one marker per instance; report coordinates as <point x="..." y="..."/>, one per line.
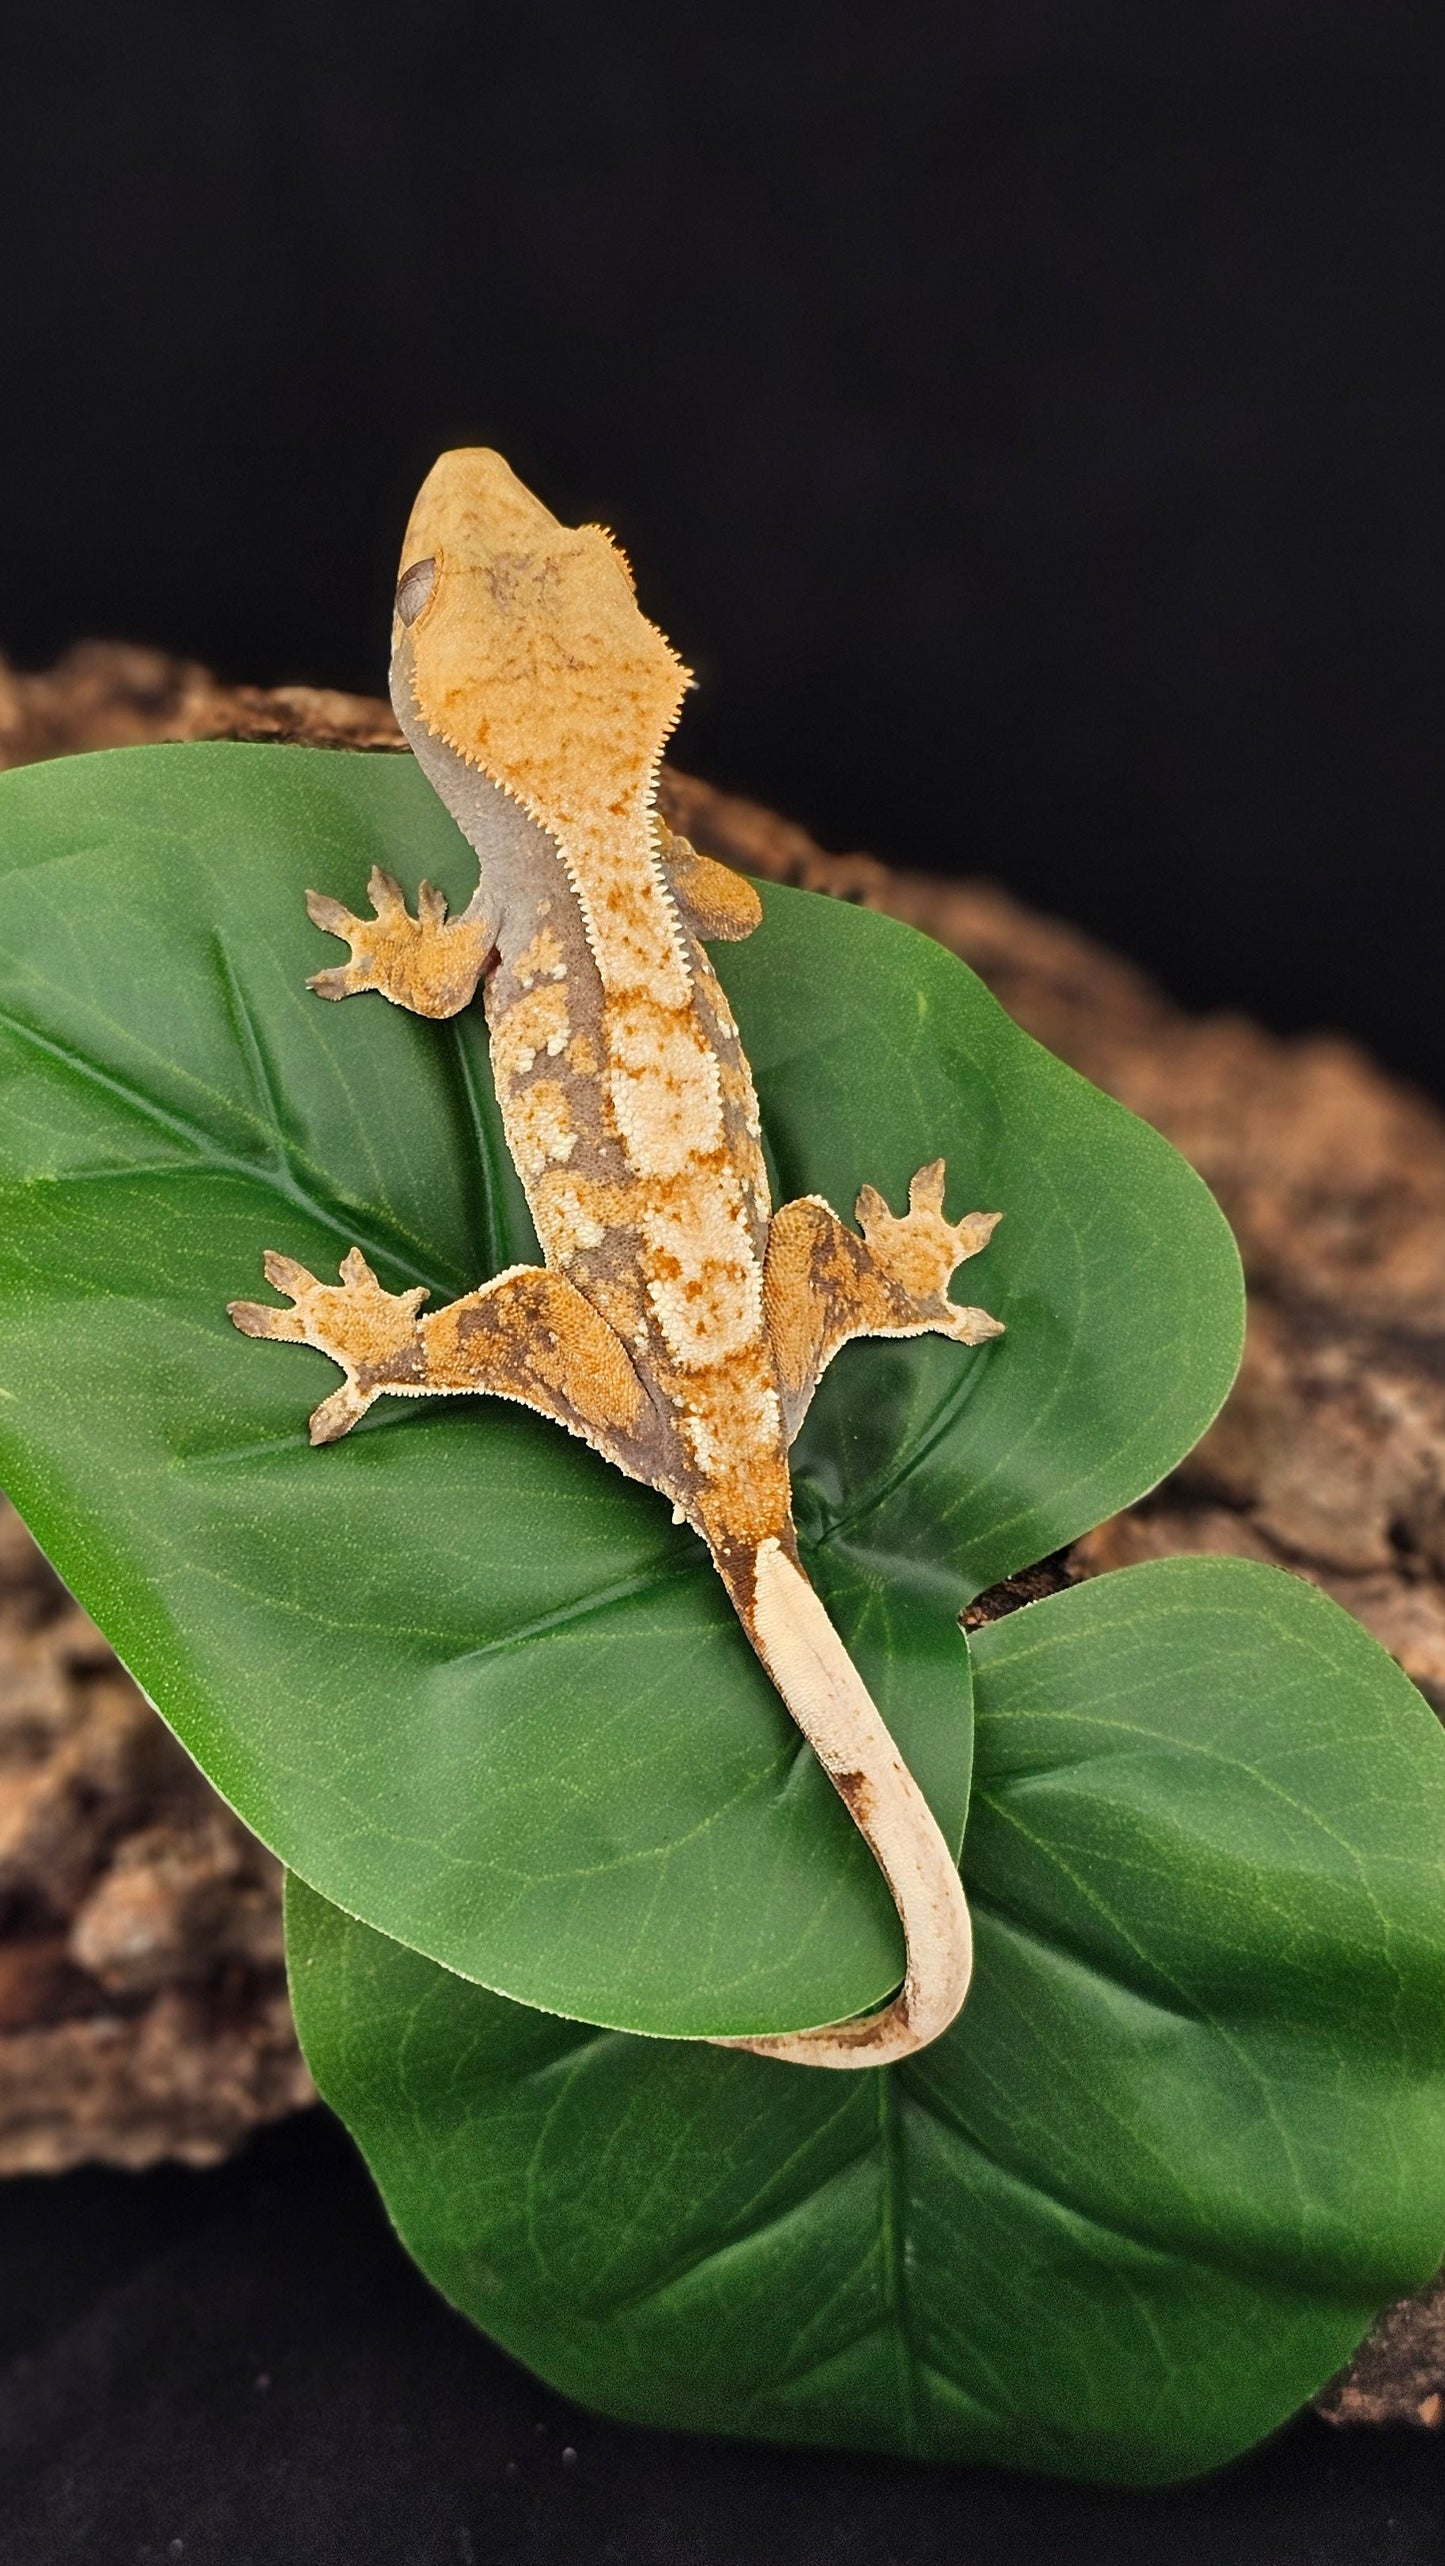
<point x="678" y="1324"/>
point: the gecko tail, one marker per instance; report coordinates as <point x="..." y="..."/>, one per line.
<point x="785" y="1620"/>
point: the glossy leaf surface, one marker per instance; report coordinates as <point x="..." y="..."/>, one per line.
<point x="1187" y="2136"/>
<point x="463" y="1677"/>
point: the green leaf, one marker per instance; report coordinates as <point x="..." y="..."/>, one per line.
<point x="463" y="1677"/>
<point x="1186" y="2138"/>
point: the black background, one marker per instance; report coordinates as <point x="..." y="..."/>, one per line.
<point x="1026" y="416"/>
<point x="1028" y="419"/>
<point x="242" y="2369"/>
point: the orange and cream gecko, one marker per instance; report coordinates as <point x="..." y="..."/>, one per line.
<point x="679" y="1325"/>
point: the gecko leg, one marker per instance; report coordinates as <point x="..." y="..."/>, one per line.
<point x="823" y="1285"/>
<point x="429" y="964"/>
<point x="720" y="906"/>
<point x="527" y="1335"/>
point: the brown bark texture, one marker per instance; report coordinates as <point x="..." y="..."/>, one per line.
<point x="142" y="1998"/>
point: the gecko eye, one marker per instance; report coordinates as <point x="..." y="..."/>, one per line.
<point x="413" y="589"/>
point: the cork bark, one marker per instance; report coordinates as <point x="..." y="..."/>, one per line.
<point x="142" y="2004"/>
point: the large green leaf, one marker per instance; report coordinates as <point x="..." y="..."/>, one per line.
<point x="1187" y="2136"/>
<point x="466" y="1680"/>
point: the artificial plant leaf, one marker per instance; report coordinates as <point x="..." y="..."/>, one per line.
<point x="462" y="1676"/>
<point x="1138" y="2204"/>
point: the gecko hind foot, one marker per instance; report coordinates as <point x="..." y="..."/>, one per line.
<point x="429" y="964"/>
<point x="918" y="1251"/>
<point x="370" y="1332"/>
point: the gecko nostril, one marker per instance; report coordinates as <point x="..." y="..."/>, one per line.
<point x="413" y="589"/>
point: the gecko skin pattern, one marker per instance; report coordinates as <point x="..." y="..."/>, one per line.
<point x="679" y="1325"/>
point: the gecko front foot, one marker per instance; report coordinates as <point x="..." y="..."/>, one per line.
<point x="429" y="964"/>
<point x="919" y="1251"/>
<point x="370" y="1332"/>
<point x="823" y="1285"/>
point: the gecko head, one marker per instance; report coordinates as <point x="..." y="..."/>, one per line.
<point x="520" y="643"/>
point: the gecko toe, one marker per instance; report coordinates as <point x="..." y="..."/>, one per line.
<point x="329" y="914"/>
<point x="262" y="1318"/>
<point x="973" y="1327"/>
<point x="286" y="1274"/>
<point x="344" y="982"/>
<point x="974" y="1231"/>
<point x="925" y="1193"/>
<point x="385" y="893"/>
<point x="337" y="1415"/>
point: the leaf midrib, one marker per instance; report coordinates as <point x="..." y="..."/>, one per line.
<point x="898" y="2091"/>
